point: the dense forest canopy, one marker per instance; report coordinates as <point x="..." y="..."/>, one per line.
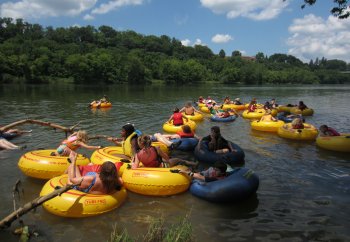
<point x="33" y="54"/>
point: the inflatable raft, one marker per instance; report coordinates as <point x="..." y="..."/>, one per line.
<point x="203" y="154"/>
<point x="41" y="164"/>
<point x="336" y="143"/>
<point x="155" y="181"/>
<point x="238" y="185"/>
<point x="77" y="204"/>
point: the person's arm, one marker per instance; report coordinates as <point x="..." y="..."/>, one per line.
<point x="116" y="141"/>
<point x="183" y="116"/>
<point x="197" y="111"/>
<point x="273" y="119"/>
<point x="90" y="147"/>
<point x="135" y="162"/>
<point x="162" y="154"/>
<point x="134" y="146"/>
<point x="171" y="117"/>
<point x="196" y="136"/>
<point x="194" y="175"/>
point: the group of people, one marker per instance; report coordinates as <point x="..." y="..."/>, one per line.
<point x="107" y="181"/>
<point x="98" y="103"/>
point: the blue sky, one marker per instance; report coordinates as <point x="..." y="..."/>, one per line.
<point x="268" y="26"/>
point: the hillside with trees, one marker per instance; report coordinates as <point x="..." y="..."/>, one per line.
<point x="30" y="53"/>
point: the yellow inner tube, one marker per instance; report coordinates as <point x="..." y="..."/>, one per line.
<point x="40" y="164"/>
<point x="196" y="117"/>
<point x="170" y="128"/>
<point x="103" y="105"/>
<point x="155" y="181"/>
<point x="257" y="114"/>
<point x="305" y="112"/>
<point x="283" y="108"/>
<point x="233" y="106"/>
<point x="336" y="143"/>
<point x="77" y="204"/>
<point x="267" y="126"/>
<point x="309" y="132"/>
<point x="204" y="109"/>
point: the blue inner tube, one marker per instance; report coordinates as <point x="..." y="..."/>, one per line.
<point x="218" y="119"/>
<point x="240" y="184"/>
<point x="283" y="116"/>
<point x="187" y="144"/>
<point x="202" y="154"/>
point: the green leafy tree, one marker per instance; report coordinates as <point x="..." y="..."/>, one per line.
<point x="222" y="53"/>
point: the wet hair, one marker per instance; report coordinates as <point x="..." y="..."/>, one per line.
<point x="109" y="176"/>
<point x="221" y="166"/>
<point x="176" y="110"/>
<point x="323" y="127"/>
<point x="297" y="121"/>
<point x="144" y="140"/>
<point x="186" y="129"/>
<point x="82" y="136"/>
<point x="129" y="129"/>
<point x="188" y="104"/>
<point x="216" y="130"/>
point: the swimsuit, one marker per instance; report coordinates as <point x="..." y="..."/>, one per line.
<point x="86" y="190"/>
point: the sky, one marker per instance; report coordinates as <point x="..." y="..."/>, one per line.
<point x="267" y="26"/>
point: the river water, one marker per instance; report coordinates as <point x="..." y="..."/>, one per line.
<point x="304" y="192"/>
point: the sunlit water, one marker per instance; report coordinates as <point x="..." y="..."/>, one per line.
<point x="304" y="192"/>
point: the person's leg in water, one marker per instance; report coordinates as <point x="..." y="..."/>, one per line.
<point x="166" y="141"/>
<point x="8" y="145"/>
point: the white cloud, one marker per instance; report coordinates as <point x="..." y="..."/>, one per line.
<point x="44" y="8"/>
<point x="198" y="42"/>
<point x="313" y="37"/>
<point x="88" y="17"/>
<point x="114" y="4"/>
<point x="221" y="38"/>
<point x="186" y="42"/>
<point x="258" y="10"/>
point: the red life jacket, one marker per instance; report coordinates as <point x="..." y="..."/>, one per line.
<point x="185" y="135"/>
<point x="148" y="157"/>
<point x="177" y="119"/>
<point x="333" y="132"/>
